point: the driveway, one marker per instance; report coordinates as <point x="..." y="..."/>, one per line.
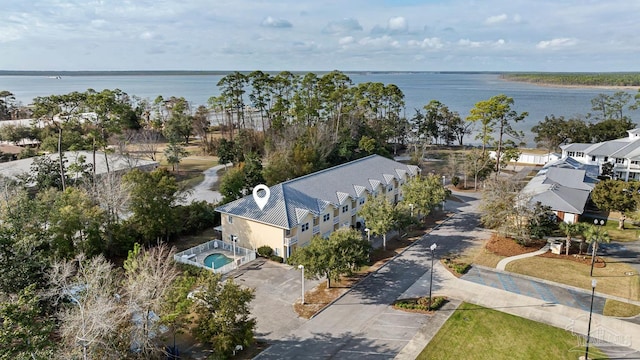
<point x="202" y="191"/>
<point x="277" y="288"/>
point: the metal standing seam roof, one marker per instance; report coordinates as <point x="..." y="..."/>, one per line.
<point x="564" y="185"/>
<point x="314" y="192"/>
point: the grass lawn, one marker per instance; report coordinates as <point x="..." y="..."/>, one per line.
<point x="631" y="232"/>
<point x="473" y="332"/>
<point x="611" y="278"/>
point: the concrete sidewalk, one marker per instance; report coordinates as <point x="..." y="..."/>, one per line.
<point x="606" y="330"/>
<point x="503" y="263"/>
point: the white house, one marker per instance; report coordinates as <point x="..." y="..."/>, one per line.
<point x="623" y="153"/>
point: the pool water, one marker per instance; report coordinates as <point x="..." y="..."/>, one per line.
<point x="216" y="261"/>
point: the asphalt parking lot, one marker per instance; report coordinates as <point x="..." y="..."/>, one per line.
<point x="277" y="288"/>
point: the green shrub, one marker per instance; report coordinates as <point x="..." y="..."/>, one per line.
<point x="421" y="303"/>
<point x="455" y="181"/>
<point x="265" y="251"/>
<point x="276" y="258"/>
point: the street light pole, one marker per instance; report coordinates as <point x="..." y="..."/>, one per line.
<point x="594" y="282"/>
<point x="411" y="207"/>
<point x="594" y="242"/>
<point x="443" y="185"/>
<point x="233" y="242"/>
<point x="301" y="267"/>
<point x="368" y="231"/>
<point x="433" y="248"/>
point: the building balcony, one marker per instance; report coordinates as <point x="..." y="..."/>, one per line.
<point x="288" y="241"/>
<point x="336" y="220"/>
<point x="316" y="229"/>
<point x="354" y="211"/>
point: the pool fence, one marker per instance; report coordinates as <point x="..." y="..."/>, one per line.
<point x="191" y="255"/>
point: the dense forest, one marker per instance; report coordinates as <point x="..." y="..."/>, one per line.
<point x="577" y="79"/>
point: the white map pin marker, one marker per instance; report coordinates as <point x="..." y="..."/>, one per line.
<point x="261" y="201"/>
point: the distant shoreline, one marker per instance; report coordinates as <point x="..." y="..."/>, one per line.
<point x="571" y="86"/>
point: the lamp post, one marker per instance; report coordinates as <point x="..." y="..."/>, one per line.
<point x="301" y="267"/>
<point x="594" y="242"/>
<point x="443" y="185"/>
<point x="368" y="231"/>
<point x="594" y="282"/>
<point x="233" y="243"/>
<point x="433" y="248"/>
<point x="411" y="207"/>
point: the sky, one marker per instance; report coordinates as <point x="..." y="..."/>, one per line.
<point x="320" y="35"/>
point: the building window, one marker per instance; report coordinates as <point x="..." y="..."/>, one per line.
<point x="316" y="221"/>
<point x="287" y="232"/>
<point x="345" y="209"/>
<point x="304" y="227"/>
<point x="390" y="188"/>
<point x="326" y="217"/>
<point x="635" y="162"/>
<point x="593" y="158"/>
<point x="362" y="200"/>
<point x="230" y="219"/>
<point x="571" y="153"/>
<point x="606" y="158"/>
<point x="619" y="161"/>
<point x="580" y="154"/>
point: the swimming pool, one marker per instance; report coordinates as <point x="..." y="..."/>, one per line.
<point x="216" y="261"/>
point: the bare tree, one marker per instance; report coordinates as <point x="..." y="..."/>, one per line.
<point x="147" y="141"/>
<point x="112" y="194"/>
<point x="90" y="311"/>
<point x="149" y="278"/>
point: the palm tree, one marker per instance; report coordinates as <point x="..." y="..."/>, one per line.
<point x="570" y="230"/>
<point x="594" y="235"/>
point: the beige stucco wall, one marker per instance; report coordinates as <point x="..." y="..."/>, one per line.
<point x="251" y="234"/>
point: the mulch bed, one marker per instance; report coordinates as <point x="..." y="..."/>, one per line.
<point x="503" y="246"/>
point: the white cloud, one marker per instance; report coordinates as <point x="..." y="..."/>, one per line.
<point x="346" y="40"/>
<point x="496" y="19"/>
<point x="478" y="44"/>
<point x="379" y="42"/>
<point x="427" y="43"/>
<point x="344" y="26"/>
<point x="11" y="33"/>
<point x="556" y="43"/>
<point x="398" y="23"/>
<point x="275" y="23"/>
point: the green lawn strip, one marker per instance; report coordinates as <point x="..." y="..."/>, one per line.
<point x="620" y="309"/>
<point x="611" y="279"/>
<point x="473" y="332"/>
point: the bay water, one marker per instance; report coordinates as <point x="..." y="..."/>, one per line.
<point x="459" y="91"/>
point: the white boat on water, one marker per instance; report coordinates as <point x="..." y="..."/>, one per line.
<point x="55" y="77"/>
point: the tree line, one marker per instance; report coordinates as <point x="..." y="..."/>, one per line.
<point x="580" y="79"/>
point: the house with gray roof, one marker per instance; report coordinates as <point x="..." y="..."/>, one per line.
<point x="314" y="204"/>
<point x="565" y="186"/>
<point x="623" y="153"/>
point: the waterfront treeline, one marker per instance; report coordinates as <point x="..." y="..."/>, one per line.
<point x="577" y="79"/>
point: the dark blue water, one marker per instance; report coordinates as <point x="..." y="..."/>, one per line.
<point x="459" y="91"/>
